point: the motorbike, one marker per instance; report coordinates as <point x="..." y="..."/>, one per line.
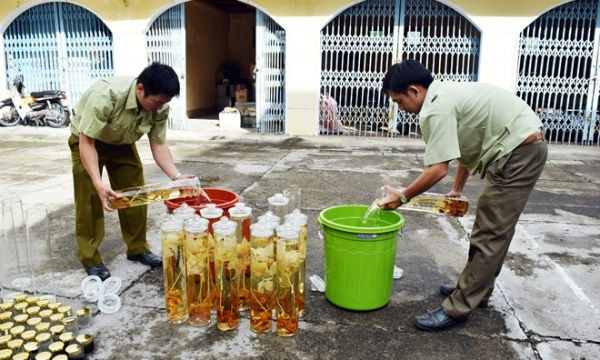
<point x="37" y="108"/>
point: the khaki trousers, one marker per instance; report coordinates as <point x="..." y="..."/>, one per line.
<point x="124" y="169"/>
<point x="508" y="183"/>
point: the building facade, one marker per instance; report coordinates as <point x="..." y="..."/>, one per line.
<point x="293" y="55"/>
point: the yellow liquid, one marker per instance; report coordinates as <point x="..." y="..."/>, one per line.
<point x="141" y="197"/>
<point x="286" y="287"/>
<point x="197" y="278"/>
<point x="227" y="282"/>
<point x="439" y="204"/>
<point x="262" y="271"/>
<point x="174" y="276"/>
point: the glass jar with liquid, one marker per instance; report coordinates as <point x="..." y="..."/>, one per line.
<point x="174" y="270"/>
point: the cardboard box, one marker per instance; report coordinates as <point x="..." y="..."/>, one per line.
<point x="230" y="118"/>
<point x="241" y="95"/>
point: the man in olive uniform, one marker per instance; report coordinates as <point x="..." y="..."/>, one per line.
<point x="111" y="116"/>
<point x="489" y="131"/>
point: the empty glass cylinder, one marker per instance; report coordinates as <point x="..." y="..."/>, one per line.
<point x="278" y="205"/>
<point x="15" y="267"/>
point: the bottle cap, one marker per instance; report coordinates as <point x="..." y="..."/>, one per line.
<point x="112" y="285"/>
<point x="261" y="229"/>
<point x="297" y="218"/>
<point x="288" y="231"/>
<point x="92" y="288"/>
<point x="270" y="219"/>
<point x="211" y="211"/>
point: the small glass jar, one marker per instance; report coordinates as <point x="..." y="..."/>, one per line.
<point x="28" y="335"/>
<point x="54" y="305"/>
<point x="66" y="310"/>
<point x="33" y="310"/>
<point x="6" y="316"/>
<point x="56" y="330"/>
<point x="21" y="319"/>
<point x="44" y="339"/>
<point x="32" y="299"/>
<point x="32" y="348"/>
<point x="18" y="297"/>
<point x="5" y="354"/>
<point x="45" y="314"/>
<point x="44" y="355"/>
<point x="70" y="324"/>
<point x="7" y="306"/>
<point x="67" y="337"/>
<point x="16" y="345"/>
<point x="5" y="327"/>
<point x="4" y="339"/>
<point x="75" y="352"/>
<point x="32" y="322"/>
<point x="86" y="341"/>
<point x="43" y="303"/>
<point x="56" y="318"/>
<point x="17" y="330"/>
<point x="20" y="307"/>
<point x="56" y="348"/>
<point x="21" y="356"/>
<point x="42" y="327"/>
<point x="61" y="357"/>
<point x="84" y="317"/>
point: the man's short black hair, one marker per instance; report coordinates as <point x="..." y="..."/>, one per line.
<point x="159" y="79"/>
<point x="408" y="72"/>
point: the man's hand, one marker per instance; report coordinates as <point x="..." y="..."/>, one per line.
<point x="391" y="201"/>
<point x="454" y="194"/>
<point x="104" y="193"/>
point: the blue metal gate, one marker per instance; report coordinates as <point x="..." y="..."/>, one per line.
<point x="58" y="46"/>
<point x="270" y="75"/>
<point x="166" y="44"/>
<point x="558" y="71"/>
<point x="361" y="43"/>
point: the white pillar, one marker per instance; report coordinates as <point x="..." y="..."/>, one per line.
<point x="129" y="46"/>
<point x="302" y="73"/>
<point x="499" y="49"/>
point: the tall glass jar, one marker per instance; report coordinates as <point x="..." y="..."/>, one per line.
<point x="296" y="218"/>
<point x="242" y="216"/>
<point x="212" y="213"/>
<point x="227" y="275"/>
<point x="197" y="271"/>
<point x="174" y="270"/>
<point x="262" y="277"/>
<point x="287" y="280"/>
<point x="278" y="205"/>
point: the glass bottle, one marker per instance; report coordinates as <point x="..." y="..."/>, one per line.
<point x="197" y="270"/>
<point x="278" y="205"/>
<point x="16" y="274"/>
<point x="227" y="276"/>
<point x="174" y="270"/>
<point x="242" y="216"/>
<point x="296" y="218"/>
<point x="212" y="213"/>
<point x="262" y="277"/>
<point x="287" y="280"/>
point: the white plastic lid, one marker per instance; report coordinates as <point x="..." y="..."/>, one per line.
<point x="240" y="210"/>
<point x="278" y="200"/>
<point x="224" y="226"/>
<point x="112" y="285"/>
<point x="296" y="218"/>
<point x="90" y="279"/>
<point x="172" y="224"/>
<point x="92" y="290"/>
<point x="288" y="231"/>
<point x="211" y="211"/>
<point x="184" y="212"/>
<point x="109" y="303"/>
<point x="270" y="218"/>
<point x="196" y="224"/>
<point x="261" y="229"/>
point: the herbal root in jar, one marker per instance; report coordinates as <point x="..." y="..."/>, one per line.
<point x="227" y="276"/>
<point x="296" y="218"/>
<point x="262" y="277"/>
<point x="197" y="269"/>
<point x="287" y="280"/>
<point x="174" y="270"/>
<point x="241" y="215"/>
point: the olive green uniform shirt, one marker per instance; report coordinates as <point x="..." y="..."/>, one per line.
<point x="474" y="123"/>
<point x="108" y="111"/>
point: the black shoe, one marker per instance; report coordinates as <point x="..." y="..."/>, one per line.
<point x="99" y="270"/>
<point x="437" y="320"/>
<point x="146" y="258"/>
<point x="446" y="290"/>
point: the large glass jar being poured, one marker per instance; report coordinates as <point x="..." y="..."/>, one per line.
<point x="227" y="274"/>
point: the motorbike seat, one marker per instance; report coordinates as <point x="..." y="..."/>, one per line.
<point x="39" y="94"/>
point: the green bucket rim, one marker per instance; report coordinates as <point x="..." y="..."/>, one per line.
<point x="323" y="220"/>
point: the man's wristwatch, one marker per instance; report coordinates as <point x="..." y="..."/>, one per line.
<point x="176" y="176"/>
<point x="403" y="198"/>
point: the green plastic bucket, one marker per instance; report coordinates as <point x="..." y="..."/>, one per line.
<point x="359" y="260"/>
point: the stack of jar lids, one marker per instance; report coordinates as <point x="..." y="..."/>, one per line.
<point x="40" y="328"/>
<point x="103" y="292"/>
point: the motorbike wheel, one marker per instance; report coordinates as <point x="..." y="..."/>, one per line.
<point x="62" y="120"/>
<point x="8" y="115"/>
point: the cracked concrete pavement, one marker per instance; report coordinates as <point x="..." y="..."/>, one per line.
<point x="546" y="304"/>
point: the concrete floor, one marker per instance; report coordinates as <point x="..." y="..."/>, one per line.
<point x="546" y="304"/>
